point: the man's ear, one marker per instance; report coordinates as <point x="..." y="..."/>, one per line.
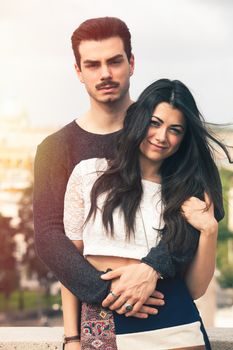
<point x="79" y="72"/>
<point x="131" y="64"/>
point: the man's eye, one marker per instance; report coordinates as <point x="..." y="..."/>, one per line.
<point x="92" y="65"/>
<point x="115" y="62"/>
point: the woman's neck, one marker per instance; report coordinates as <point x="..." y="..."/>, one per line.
<point x="150" y="170"/>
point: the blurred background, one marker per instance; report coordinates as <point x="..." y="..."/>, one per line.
<point x="39" y="93"/>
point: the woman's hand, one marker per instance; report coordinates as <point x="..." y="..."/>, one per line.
<point x="200" y="214"/>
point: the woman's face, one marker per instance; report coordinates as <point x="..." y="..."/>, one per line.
<point x="165" y="134"/>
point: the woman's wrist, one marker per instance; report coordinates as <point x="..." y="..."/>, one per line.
<point x="67" y="341"/>
<point x="71" y="339"/>
<point x="211" y="229"/>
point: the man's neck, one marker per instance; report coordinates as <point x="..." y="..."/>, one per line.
<point x="104" y="118"/>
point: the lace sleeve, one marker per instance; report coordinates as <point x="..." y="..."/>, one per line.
<point x="74" y="207"/>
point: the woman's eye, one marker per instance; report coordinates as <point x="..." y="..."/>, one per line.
<point x="176" y="131"/>
<point x="154" y="123"/>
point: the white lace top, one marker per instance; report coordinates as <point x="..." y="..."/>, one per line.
<point x="96" y="241"/>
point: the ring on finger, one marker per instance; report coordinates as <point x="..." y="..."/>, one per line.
<point x="128" y="307"/>
<point x="113" y="294"/>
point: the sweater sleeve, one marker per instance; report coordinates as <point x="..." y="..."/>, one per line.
<point x="167" y="263"/>
<point x="53" y="247"/>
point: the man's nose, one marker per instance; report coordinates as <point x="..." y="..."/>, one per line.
<point x="105" y="72"/>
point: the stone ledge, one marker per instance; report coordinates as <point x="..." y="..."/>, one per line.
<point x="49" y="338"/>
<point x="221" y="338"/>
<point x="31" y="338"/>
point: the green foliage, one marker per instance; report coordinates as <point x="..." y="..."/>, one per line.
<point x="30" y="258"/>
<point x="10" y="267"/>
<point x="8" y="274"/>
<point x="34" y="300"/>
<point x="225" y="236"/>
<point x="226" y="277"/>
<point x="222" y="255"/>
<point x="227" y="182"/>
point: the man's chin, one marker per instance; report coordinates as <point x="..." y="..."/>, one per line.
<point x="111" y="99"/>
<point x="108" y="99"/>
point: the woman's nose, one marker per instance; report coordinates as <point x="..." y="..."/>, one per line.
<point x="160" y="134"/>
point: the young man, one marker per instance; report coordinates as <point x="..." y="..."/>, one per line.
<point x="104" y="63"/>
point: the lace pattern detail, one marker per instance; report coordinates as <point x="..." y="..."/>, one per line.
<point x="77" y="196"/>
<point x="74" y="207"/>
<point x="96" y="241"/>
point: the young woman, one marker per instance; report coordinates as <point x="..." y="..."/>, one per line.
<point x="162" y="187"/>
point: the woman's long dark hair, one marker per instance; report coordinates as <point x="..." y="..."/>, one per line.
<point x="188" y="172"/>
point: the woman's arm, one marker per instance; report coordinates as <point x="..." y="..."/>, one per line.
<point x="201" y="270"/>
<point x="200" y="214"/>
<point x="70" y="307"/>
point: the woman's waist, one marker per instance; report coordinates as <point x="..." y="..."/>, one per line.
<point x="115" y="248"/>
<point x="103" y="262"/>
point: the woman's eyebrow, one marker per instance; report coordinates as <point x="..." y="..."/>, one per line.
<point x="176" y="125"/>
<point x="161" y="120"/>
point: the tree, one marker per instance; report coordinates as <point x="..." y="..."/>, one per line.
<point x="225" y="236"/>
<point x="30" y="258"/>
<point x="9" y="278"/>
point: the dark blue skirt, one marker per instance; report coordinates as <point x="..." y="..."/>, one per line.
<point x="178" y="324"/>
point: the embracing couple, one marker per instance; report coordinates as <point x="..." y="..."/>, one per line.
<point x="127" y="200"/>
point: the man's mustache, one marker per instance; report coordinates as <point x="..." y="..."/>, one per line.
<point x="106" y="83"/>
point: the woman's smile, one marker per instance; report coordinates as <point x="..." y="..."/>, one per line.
<point x="157" y="147"/>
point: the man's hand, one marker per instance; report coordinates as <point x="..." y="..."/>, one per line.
<point x="155" y="299"/>
<point x="135" y="285"/>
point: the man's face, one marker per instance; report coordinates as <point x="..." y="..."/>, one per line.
<point x="105" y="69"/>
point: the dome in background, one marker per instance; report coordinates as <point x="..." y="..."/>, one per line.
<point x="13" y="114"/>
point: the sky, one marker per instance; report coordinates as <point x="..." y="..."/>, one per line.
<point x="189" y="40"/>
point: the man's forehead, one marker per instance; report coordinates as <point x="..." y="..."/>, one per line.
<point x="101" y="49"/>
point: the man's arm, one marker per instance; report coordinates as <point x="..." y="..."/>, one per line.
<point x="53" y="247"/>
